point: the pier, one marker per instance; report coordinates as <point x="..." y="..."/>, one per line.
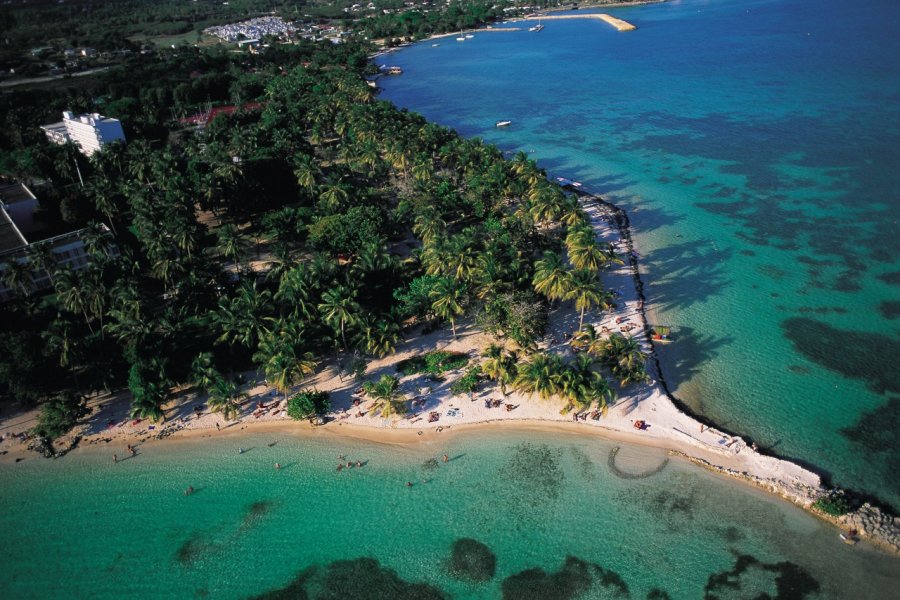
<point x="619" y="24"/>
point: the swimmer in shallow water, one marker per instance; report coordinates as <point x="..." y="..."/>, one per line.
<point x="189" y="490"/>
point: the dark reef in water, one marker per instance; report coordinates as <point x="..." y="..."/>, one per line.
<point x="889" y="309"/>
<point x="192" y="550"/>
<point x="752" y="578"/>
<point x="536" y="471"/>
<point x="255" y="512"/>
<point x="860" y="355"/>
<point x="357" y="579"/>
<point x="882" y="441"/>
<point x="575" y="578"/>
<point x="472" y="560"/>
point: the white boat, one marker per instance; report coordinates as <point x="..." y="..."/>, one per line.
<point x="435" y="45"/>
<point x="503" y="123"/>
<point x="537" y="27"/>
<point x="460" y="38"/>
<point x="568" y="182"/>
<point x="469" y="36"/>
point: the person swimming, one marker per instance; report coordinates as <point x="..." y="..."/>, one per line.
<point x="240" y="450"/>
<point x="189" y="490"/>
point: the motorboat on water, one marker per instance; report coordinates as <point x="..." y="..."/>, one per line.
<point x="537" y="27"/>
<point x="469" y="36"/>
<point x="503" y="123"/>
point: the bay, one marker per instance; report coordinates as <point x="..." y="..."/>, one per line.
<point x="754" y="143"/>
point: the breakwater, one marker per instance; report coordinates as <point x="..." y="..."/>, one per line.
<point x="619" y="24"/>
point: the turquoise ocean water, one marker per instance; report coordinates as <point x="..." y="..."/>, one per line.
<point x="755" y="145"/>
<point x="83" y="527"/>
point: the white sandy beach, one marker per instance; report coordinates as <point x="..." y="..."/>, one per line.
<point x="666" y="426"/>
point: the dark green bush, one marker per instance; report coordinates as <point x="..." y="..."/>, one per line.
<point x="307" y="403"/>
<point x="433" y="363"/>
<point x="832" y="505"/>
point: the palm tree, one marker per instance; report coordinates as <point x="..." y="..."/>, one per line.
<point x="499" y="365"/>
<point x="203" y="371"/>
<point x="240" y="319"/>
<point x="225" y="397"/>
<point x="581" y="385"/>
<point x="339" y="307"/>
<point x="429" y="225"/>
<point x="17" y="276"/>
<point x="148" y="405"/>
<point x="448" y="297"/>
<point x="230" y="242"/>
<point x="283" y="365"/>
<point x="40" y="257"/>
<point x="380" y="337"/>
<point x="624" y="357"/>
<point x="388" y="400"/>
<point x="586" y="292"/>
<point x="551" y="277"/>
<point x="71" y="292"/>
<point x="540" y="375"/>
<point x="589" y="339"/>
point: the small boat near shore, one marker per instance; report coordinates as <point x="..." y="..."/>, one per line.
<point x="469" y="36"/>
<point x="568" y="182"/>
<point x="461" y="38"/>
<point x="537" y="27"/>
<point x="661" y="334"/>
<point x="502" y="123"/>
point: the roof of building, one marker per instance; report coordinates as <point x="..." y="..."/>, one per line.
<point x="10" y="238"/>
<point x="11" y="193"/>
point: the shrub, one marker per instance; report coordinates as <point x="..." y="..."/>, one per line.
<point x="307" y="403"/>
<point x="834" y="505"/>
<point x="467" y="383"/>
<point x="433" y="363"/>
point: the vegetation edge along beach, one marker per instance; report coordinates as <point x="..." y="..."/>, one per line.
<point x="322" y="238"/>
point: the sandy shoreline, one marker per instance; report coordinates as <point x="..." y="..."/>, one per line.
<point x="110" y="428"/>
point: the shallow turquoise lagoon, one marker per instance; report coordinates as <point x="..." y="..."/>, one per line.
<point x="755" y="145"/>
<point x="84" y="527"/>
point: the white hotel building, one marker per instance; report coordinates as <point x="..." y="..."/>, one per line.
<point x="89" y="132"/>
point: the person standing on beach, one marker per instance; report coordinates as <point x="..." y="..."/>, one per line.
<point x="217" y="426"/>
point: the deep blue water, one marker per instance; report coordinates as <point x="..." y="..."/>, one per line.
<point x="755" y="144"/>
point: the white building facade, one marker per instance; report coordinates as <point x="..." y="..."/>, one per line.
<point x="90" y="132"/>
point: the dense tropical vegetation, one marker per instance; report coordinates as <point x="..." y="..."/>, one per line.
<point x="324" y="225"/>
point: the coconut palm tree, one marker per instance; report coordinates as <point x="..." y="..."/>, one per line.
<point x="388" y="400"/>
<point x="587" y="292"/>
<point x="379" y="337"/>
<point x="283" y="364"/>
<point x="551" y="278"/>
<point x="149" y="404"/>
<point x="225" y="397"/>
<point x="40" y="257"/>
<point x="230" y="242"/>
<point x="625" y="359"/>
<point x="340" y="308"/>
<point x="500" y="365"/>
<point x="240" y="319"/>
<point x="71" y="293"/>
<point x="448" y="297"/>
<point x="541" y="375"/>
<point x="429" y="225"/>
<point x="588" y="339"/>
<point x="583" y="249"/>
<point x="203" y="371"/>
<point x="17" y="276"/>
<point x="581" y="385"/>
